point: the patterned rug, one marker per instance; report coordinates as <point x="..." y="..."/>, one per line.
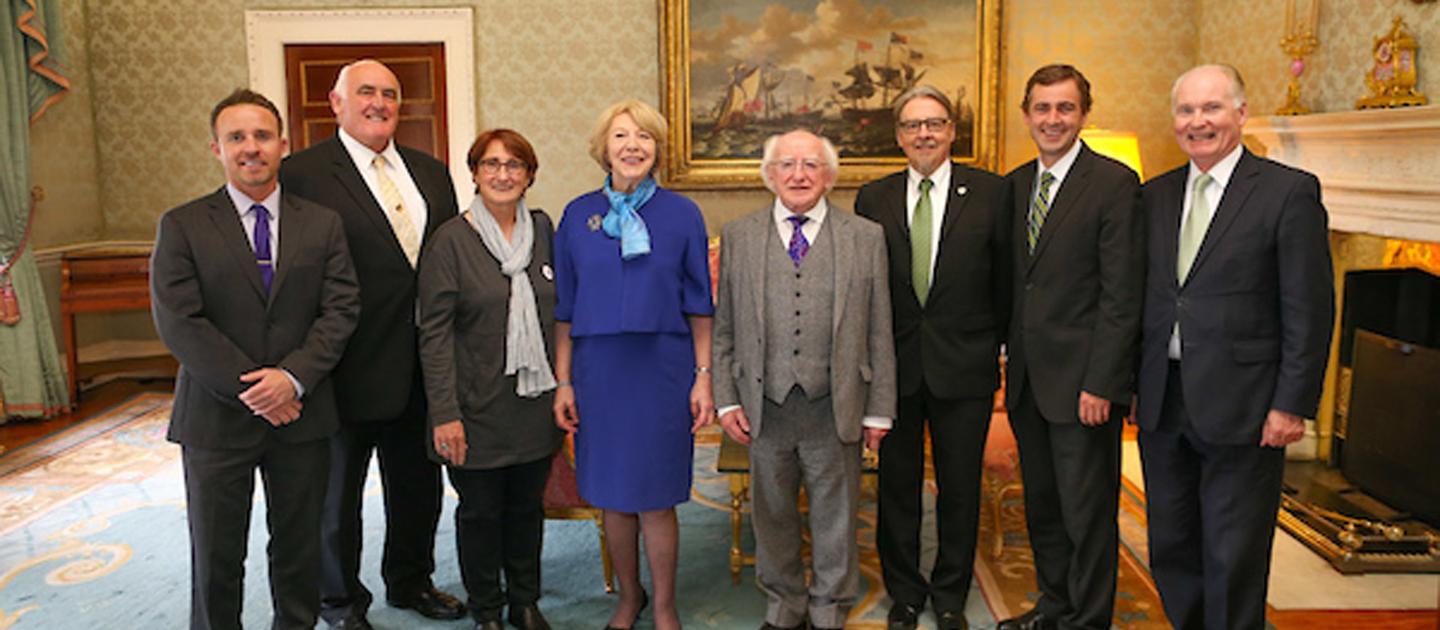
<point x="92" y="534"/>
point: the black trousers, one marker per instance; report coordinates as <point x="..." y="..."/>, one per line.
<point x="219" y="491"/>
<point x="499" y="525"/>
<point x="1211" y="511"/>
<point x="412" y="488"/>
<point x="958" y="428"/>
<point x="1072" y="492"/>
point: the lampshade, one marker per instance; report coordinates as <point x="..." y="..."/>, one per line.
<point x="1120" y="145"/>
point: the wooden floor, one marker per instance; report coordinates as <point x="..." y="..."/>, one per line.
<point x="103" y="397"/>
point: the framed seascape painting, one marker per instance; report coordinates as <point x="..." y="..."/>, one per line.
<point x="738" y="71"/>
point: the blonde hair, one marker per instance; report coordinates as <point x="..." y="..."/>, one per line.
<point x="645" y="116"/>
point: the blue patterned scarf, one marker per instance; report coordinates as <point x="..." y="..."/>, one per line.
<point x="623" y="220"/>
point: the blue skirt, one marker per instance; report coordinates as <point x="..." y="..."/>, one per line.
<point x="634" y="448"/>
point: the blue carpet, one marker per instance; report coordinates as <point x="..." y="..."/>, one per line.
<point x="93" y="534"/>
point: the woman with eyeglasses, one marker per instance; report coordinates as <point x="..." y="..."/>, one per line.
<point x="487" y="317"/>
<point x="632" y="352"/>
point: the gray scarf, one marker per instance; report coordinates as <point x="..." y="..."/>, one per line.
<point x="524" y="343"/>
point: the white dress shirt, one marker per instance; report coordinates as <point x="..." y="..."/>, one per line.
<point x="939" y="190"/>
<point x="364" y="158"/>
<point x="1059" y="169"/>
<point x="1220" y="175"/>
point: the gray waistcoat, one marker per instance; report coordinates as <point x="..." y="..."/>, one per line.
<point x="799" y="309"/>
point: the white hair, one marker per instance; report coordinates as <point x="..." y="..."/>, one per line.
<point x="827" y="150"/>
<point x="1237" y="84"/>
<point x="342" y="80"/>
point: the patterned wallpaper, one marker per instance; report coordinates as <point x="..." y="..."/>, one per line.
<point x="1247" y="35"/>
<point x="62" y="158"/>
<point x="142" y="105"/>
<point x="1130" y="50"/>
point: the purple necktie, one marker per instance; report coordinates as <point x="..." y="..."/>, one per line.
<point x="799" y="246"/>
<point x="262" y="245"/>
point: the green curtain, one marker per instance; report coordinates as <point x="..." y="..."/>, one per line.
<point x="32" y="376"/>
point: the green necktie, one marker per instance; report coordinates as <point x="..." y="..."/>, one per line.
<point x="1193" y="232"/>
<point x="1038" y="209"/>
<point x="920" y="243"/>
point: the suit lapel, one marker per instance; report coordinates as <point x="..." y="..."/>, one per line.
<point x="232" y="234"/>
<point x="354" y="183"/>
<point x="1237" y="191"/>
<point x="1172" y="196"/>
<point x="954" y="204"/>
<point x="843" y="244"/>
<point x="292" y="229"/>
<point x="1024" y="192"/>
<point x="1071" y="189"/>
<point x="755" y="244"/>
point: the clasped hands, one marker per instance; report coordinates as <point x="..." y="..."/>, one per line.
<point x="271" y="396"/>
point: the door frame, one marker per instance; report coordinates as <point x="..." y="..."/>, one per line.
<point x="267" y="33"/>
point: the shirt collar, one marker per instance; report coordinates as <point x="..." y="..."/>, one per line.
<point x="363" y="156"/>
<point x="816" y="214"/>
<point x="243" y="202"/>
<point x="1061" y="166"/>
<point x="1221" y="171"/>
<point x="941" y="177"/>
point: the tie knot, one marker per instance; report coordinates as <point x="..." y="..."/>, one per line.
<point x="261" y="212"/>
<point x="378" y="162"/>
<point x="797" y="219"/>
<point x="926" y="185"/>
<point x="1046" y="180"/>
<point x="1203" y="180"/>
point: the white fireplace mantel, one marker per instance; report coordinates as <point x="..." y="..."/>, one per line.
<point x="1379" y="169"/>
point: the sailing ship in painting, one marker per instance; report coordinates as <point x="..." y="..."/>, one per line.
<point x="855" y="109"/>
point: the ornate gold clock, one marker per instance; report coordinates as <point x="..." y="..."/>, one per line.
<point x="1392" y="78"/>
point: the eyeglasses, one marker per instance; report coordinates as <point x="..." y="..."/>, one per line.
<point x="790" y="165"/>
<point x="492" y="166"/>
<point x="934" y="125"/>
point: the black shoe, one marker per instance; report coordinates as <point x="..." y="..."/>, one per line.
<point x="1033" y="620"/>
<point x="770" y="626"/>
<point x="528" y="617"/>
<point x="432" y="603"/>
<point x="902" y="616"/>
<point x="952" y="620"/>
<point x="489" y="624"/>
<point x="353" y="622"/>
<point x="644" y="601"/>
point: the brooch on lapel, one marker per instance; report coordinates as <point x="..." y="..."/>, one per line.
<point x="548" y="272"/>
<point x="595" y="222"/>
<point x="960" y="192"/>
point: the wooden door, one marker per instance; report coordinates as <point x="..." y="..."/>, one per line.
<point x="310" y="71"/>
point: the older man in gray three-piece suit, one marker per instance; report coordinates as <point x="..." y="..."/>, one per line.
<point x="804" y="369"/>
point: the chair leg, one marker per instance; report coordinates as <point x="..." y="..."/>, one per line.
<point x="605" y="564"/>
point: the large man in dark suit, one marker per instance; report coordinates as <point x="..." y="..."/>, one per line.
<point x="1074" y="334"/>
<point x="947" y="233"/>
<point x="391" y="198"/>
<point x="1238" y="313"/>
<point x="254" y="293"/>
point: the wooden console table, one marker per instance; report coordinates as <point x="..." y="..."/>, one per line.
<point x="99" y="281"/>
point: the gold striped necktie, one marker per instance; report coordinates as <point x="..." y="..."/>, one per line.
<point x="920" y="232"/>
<point x="395" y="212"/>
<point x="1039" y="208"/>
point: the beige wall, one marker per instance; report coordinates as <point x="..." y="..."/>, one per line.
<point x="131" y="140"/>
<point x="1246" y="34"/>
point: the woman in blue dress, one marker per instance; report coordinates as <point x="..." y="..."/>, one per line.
<point x="632" y="354"/>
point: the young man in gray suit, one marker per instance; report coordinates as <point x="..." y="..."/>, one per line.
<point x="253" y="291"/>
<point x="1079" y="269"/>
<point x="804" y="370"/>
<point x="1239" y="305"/>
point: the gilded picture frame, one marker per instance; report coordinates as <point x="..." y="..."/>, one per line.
<point x="737" y="71"/>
